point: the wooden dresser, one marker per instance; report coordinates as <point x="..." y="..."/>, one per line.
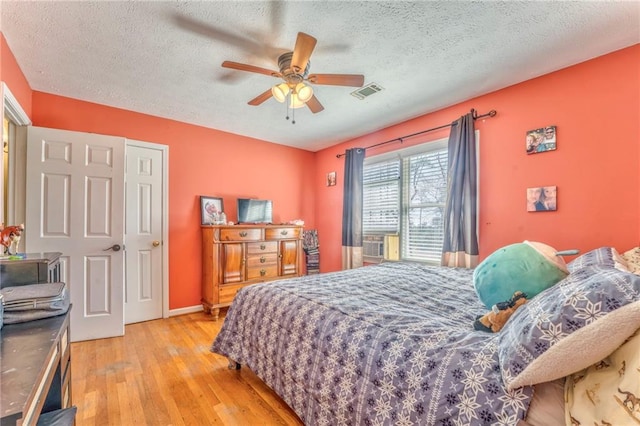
<point x="35" y="366"/>
<point x="239" y="255"/>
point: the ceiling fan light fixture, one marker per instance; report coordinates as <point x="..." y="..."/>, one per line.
<point x="296" y="102"/>
<point x="280" y="92"/>
<point x="304" y="92"/>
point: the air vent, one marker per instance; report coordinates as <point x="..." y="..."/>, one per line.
<point x="366" y="91"/>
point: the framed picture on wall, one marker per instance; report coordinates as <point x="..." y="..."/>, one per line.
<point x="541" y="140"/>
<point x="542" y="198"/>
<point x="210" y="210"/>
<point x="331" y="179"/>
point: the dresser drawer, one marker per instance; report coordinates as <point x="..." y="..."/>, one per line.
<point x="228" y="292"/>
<point x="241" y="234"/>
<point x="265" y="271"/>
<point x="258" y="261"/>
<point x="282" y="233"/>
<point x="262" y="247"/>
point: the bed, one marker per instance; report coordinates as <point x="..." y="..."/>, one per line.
<point x="394" y="343"/>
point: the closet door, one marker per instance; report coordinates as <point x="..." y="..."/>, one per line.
<point x="75" y="183"/>
<point x="144" y="221"/>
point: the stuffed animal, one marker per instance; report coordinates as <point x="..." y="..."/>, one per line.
<point x="530" y="267"/>
<point x="497" y="317"/>
<point x="10" y="236"/>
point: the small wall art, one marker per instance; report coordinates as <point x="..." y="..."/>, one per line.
<point x="542" y="198"/>
<point x="541" y="140"/>
<point x="331" y="179"/>
<point x="211" y="209"/>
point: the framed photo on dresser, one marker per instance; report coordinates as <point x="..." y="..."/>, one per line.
<point x="210" y="210"/>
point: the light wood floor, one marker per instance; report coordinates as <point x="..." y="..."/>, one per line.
<point x="162" y="373"/>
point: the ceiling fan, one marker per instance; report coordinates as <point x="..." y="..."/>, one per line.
<point x="294" y="71"/>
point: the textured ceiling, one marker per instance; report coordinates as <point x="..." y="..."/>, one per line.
<point x="163" y="58"/>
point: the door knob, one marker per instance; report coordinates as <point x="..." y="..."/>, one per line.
<point x="115" y="247"/>
<point x="156" y="243"/>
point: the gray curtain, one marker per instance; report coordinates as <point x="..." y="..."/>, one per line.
<point x="460" y="232"/>
<point x="352" y="209"/>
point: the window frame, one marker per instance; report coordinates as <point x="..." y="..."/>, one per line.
<point x="403" y="204"/>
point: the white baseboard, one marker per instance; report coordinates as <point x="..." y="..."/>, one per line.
<point x="183" y="311"/>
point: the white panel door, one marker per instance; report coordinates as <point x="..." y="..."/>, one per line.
<point x="143" y="233"/>
<point x="75" y="205"/>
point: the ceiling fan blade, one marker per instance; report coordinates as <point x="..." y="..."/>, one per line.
<point x="353" y="80"/>
<point x="314" y="104"/>
<point x="199" y="27"/>
<point x="302" y="52"/>
<point x="261" y="98"/>
<point x="250" y="68"/>
<point x="256" y="45"/>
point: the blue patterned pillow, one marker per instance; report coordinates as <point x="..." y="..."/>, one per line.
<point x="569" y="326"/>
<point x="604" y="256"/>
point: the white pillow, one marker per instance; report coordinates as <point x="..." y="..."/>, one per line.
<point x="569" y="326"/>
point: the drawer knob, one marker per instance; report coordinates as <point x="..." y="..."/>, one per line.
<point x="262" y="259"/>
<point x="263" y="272"/>
<point x="262" y="247"/>
<point x="284" y="232"/>
<point x="243" y="233"/>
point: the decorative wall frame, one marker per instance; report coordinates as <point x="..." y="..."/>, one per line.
<point x="210" y="210"/>
<point x="331" y="178"/>
<point x="542" y="198"/>
<point x="541" y="140"/>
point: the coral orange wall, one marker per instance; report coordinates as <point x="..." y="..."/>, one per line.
<point x="596" y="167"/>
<point x="201" y="162"/>
<point x="11" y="74"/>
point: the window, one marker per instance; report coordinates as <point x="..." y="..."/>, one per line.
<point x="405" y="194"/>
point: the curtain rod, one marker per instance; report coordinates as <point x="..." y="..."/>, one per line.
<point x="401" y="139"/>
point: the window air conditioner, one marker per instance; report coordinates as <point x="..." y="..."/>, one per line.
<point x="372" y="247"/>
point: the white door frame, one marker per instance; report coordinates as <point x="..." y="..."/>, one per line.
<point x="165" y="216"/>
<point x="12" y="110"/>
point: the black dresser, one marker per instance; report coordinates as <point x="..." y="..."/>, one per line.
<point x="33" y="268"/>
<point x="35" y="365"/>
<point x="35" y="356"/>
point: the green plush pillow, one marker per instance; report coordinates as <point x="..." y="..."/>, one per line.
<point x="528" y="267"/>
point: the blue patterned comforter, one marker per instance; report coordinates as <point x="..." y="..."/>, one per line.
<point x="387" y="344"/>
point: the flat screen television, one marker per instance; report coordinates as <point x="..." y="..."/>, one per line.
<point x="254" y="211"/>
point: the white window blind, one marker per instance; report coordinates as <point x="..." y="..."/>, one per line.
<point x="424" y="198"/>
<point x="381" y="203"/>
<point x="405" y="194"/>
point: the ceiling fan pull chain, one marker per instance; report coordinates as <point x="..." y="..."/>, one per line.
<point x="286" y="104"/>
<point x="293" y="115"/>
